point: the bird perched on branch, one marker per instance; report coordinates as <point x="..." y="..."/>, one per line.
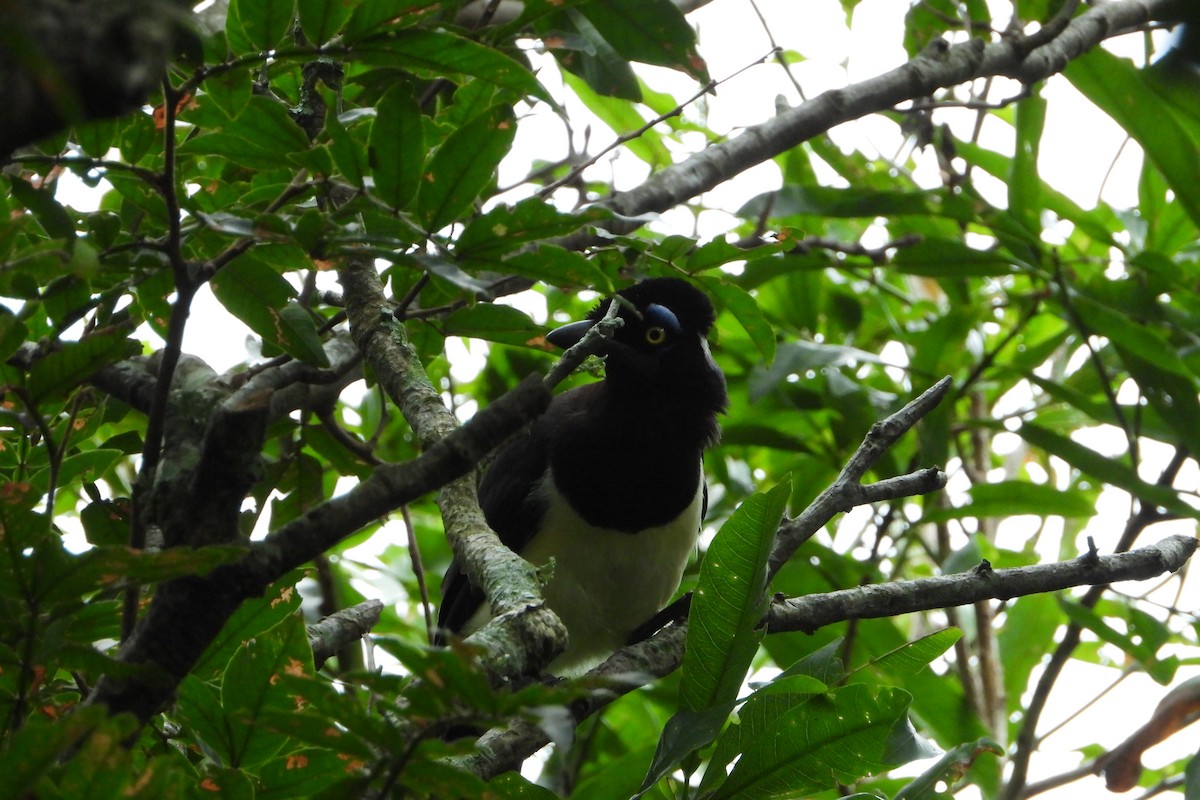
<point x="609" y="482"/>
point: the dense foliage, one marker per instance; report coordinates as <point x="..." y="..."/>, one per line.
<point x="309" y="163"/>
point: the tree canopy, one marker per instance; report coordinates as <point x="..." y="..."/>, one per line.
<point x="957" y="393"/>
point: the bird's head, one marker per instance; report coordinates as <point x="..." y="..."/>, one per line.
<point x="662" y="346"/>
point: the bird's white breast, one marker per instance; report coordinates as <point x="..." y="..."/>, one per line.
<point x="605" y="582"/>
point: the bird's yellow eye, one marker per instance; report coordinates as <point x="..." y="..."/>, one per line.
<point x="656" y="334"/>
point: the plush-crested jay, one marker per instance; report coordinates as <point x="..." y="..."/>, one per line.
<point x="609" y="481"/>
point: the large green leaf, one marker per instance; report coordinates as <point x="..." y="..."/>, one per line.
<point x="1130" y="334"/>
<point x="252" y="683"/>
<point x="1128" y="96"/>
<point x="506" y="228"/>
<point x="1024" y="187"/>
<point x="263" y="133"/>
<point x="446" y="54"/>
<point x="346" y="149"/>
<point x="745" y="310"/>
<point x="264" y="22"/>
<point x="649" y="31"/>
<point x="912" y="657"/>
<point x="464" y="166"/>
<point x="615" y="111"/>
<point x="1011" y="498"/>
<point x="322" y="19"/>
<point x="74" y="362"/>
<point x="260" y="297"/>
<point x="730" y="602"/>
<point x="495" y="323"/>
<point x="1105" y="469"/>
<point x="397" y="146"/>
<point x="795" y="744"/>
<point x="951" y="258"/>
<point x="583" y="50"/>
<point x="556" y="266"/>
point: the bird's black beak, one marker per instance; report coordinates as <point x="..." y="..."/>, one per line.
<point x="569" y="335"/>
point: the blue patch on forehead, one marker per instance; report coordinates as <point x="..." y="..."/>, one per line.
<point x="661" y="315"/>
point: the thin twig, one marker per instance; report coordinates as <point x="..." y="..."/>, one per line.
<point x="185" y="290"/>
<point x="574" y="174"/>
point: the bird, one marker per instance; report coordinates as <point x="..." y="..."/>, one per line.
<point x="609" y="481"/>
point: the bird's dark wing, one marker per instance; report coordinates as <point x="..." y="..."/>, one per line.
<point x="512" y="508"/>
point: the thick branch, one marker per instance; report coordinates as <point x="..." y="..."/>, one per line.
<point x="186" y="614"/>
<point x="982" y="583"/>
<point x="937" y="68"/>
<point x="530" y="635"/>
<point x="342" y="628"/>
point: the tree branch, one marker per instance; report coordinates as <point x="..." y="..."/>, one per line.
<point x="342" y="628"/>
<point x="525" y="635"/>
<point x="939" y="67"/>
<point x="846" y="492"/>
<point x="982" y="583"/>
<point x="633" y="666"/>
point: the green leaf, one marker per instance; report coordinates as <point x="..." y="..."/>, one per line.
<point x="446" y="54"/>
<point x="348" y="154"/>
<point x="298" y="336"/>
<point x="230" y="91"/>
<point x="1098" y="223"/>
<point x="1131" y="98"/>
<point x="1171" y="394"/>
<point x="107" y="567"/>
<point x="1010" y="498"/>
<point x="950" y="258"/>
<point x="89" y="465"/>
<point x="253" y="617"/>
<point x="745" y="310"/>
<point x="137" y="137"/>
<point x="260" y="297"/>
<point x="804" y="743"/>
<point x="105" y="523"/>
<point x="304" y="773"/>
<point x="35" y="748"/>
<point x="1128" y="334"/>
<point x="322" y="19"/>
<point x="373" y="17"/>
<point x="615" y="111"/>
<point x="912" y="657"/>
<point x="583" y="50"/>
<point x="262" y="132"/>
<point x="948" y="770"/>
<point x="556" y="266"/>
<point x="1024" y="185"/>
<point x="1161" y="670"/>
<point x="685" y="732"/>
<point x="396" y="147"/>
<point x="71" y="365"/>
<point x="252" y="684"/>
<point x="265" y="22"/>
<point x="494" y="323"/>
<point x="97" y="136"/>
<point x="1105" y="469"/>
<point x="730" y="602"/>
<point x="53" y="218"/>
<point x="198" y="706"/>
<point x="505" y="228"/>
<point x="1027" y="634"/>
<point x="649" y="31"/>
<point x="464" y="166"/>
